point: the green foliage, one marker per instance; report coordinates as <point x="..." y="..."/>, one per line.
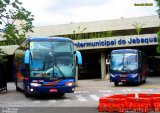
<point x="2" y="57"/>
<point x="79" y="34"/>
<point x="158" y="4"/>
<point x="158" y="47"/>
<point x="16" y="20"/>
<point x="12" y="35"/>
<point x="138" y="27"/>
<point x="158" y="33"/>
<point x="108" y="34"/>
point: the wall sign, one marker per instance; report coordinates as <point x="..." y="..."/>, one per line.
<point x="118" y="41"/>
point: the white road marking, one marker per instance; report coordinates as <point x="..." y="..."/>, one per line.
<point x="129" y="90"/>
<point x="106" y="94"/>
<point x="94" y="97"/>
<point x="80" y="98"/>
<point x="36" y="101"/>
<point x="51" y="101"/>
<point x="105" y="91"/>
<point x="67" y="100"/>
<point x="124" y="90"/>
<point x="81" y="92"/>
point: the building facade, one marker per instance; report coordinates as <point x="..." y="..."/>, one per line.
<point x="97" y="39"/>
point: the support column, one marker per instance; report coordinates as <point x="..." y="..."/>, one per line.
<point x="103" y="65"/>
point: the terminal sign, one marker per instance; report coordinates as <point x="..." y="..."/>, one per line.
<point x="116" y="42"/>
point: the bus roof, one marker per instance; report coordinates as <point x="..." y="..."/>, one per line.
<point x="125" y="51"/>
<point x="49" y="39"/>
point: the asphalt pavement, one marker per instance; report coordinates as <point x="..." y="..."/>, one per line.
<point x="85" y="98"/>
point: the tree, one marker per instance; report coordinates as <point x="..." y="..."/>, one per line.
<point x="158" y="47"/>
<point x="78" y="34"/>
<point x="108" y="34"/>
<point x="158" y="4"/>
<point x="10" y="14"/>
<point x="138" y="27"/>
<point x="158" y="33"/>
<point x="2" y="55"/>
<point x="15" y="21"/>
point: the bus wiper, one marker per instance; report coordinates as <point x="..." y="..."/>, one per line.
<point x="126" y="66"/>
<point x="63" y="76"/>
<point x="119" y="67"/>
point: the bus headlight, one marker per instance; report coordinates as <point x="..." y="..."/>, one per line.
<point x="134" y="75"/>
<point x="69" y="84"/>
<point x="35" y="84"/>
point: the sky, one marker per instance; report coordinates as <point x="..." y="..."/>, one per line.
<point x="55" y="12"/>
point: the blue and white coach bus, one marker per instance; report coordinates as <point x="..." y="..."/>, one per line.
<point x="46" y="65"/>
<point x="128" y="65"/>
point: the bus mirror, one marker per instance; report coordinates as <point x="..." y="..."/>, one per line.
<point x="107" y="63"/>
<point x="79" y="57"/>
<point x="108" y="60"/>
<point x="27" y="57"/>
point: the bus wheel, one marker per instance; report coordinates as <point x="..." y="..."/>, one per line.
<point x="116" y="83"/>
<point x="61" y="94"/>
<point x="139" y="80"/>
<point x="18" y="89"/>
<point x="26" y="94"/>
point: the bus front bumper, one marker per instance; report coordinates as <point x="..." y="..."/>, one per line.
<point x="50" y="89"/>
<point x="124" y="79"/>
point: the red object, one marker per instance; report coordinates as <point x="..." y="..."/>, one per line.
<point x="53" y="90"/>
<point x="155" y="100"/>
<point x="111" y="104"/>
<point x="123" y="80"/>
<point x="156" y="103"/>
<point x="129" y="102"/>
<point x="138" y="104"/>
<point x="122" y="95"/>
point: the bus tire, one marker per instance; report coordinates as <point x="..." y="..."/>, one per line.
<point x="26" y="94"/>
<point x="144" y="81"/>
<point x="139" y="81"/>
<point x="116" y="83"/>
<point x="61" y="94"/>
<point x="17" y="88"/>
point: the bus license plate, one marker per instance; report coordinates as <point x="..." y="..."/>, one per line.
<point x="53" y="90"/>
<point x="123" y="80"/>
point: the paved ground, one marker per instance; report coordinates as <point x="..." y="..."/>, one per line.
<point x="86" y="96"/>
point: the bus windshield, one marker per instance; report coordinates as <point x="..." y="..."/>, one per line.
<point x="52" y="59"/>
<point x="124" y="62"/>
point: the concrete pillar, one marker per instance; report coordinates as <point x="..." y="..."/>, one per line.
<point x="103" y="65"/>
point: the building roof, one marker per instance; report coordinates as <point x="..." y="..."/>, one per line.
<point x="96" y="26"/>
<point x="10" y="49"/>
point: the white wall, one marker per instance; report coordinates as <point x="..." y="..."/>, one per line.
<point x="96" y="26"/>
